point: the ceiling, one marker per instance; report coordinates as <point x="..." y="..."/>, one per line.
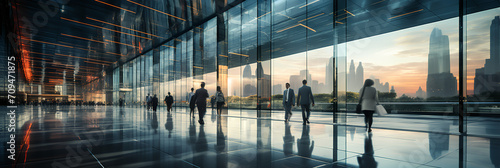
<point x="77" y="40"/>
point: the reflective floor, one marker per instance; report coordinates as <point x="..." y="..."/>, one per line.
<point x="69" y="136"/>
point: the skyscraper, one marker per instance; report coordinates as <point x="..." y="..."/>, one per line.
<point x="439" y="53"/>
<point x="488" y="77"/>
<point x="393" y="90"/>
<point x="295" y="82"/>
<point x="360" y="76"/>
<point x="278" y="89"/>
<point x="494" y="46"/>
<point x="248" y="80"/>
<point x="440" y="82"/>
<point x="329" y="75"/>
<point x="351" y="78"/>
<point x="420" y="93"/>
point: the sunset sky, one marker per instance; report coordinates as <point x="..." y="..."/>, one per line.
<point x="398" y="57"/>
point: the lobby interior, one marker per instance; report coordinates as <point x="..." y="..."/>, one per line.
<point x="84" y="71"/>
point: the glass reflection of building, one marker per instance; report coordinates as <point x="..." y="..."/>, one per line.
<point x="487" y="78"/>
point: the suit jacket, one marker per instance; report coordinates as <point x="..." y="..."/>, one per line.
<point x="169" y="100"/>
<point x="305" y="96"/>
<point x="154" y="101"/>
<point x="291" y="98"/>
<point x="200" y="96"/>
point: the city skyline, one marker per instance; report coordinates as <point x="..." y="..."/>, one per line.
<point x="407" y="49"/>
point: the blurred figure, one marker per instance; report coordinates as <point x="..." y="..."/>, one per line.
<point x="169" y="100"/>
<point x="220" y="100"/>
<point x="148" y="101"/>
<point x="120" y="101"/>
<point x="367" y="160"/>
<point x="154" y="103"/>
<point x="212" y="102"/>
<point x="369" y="100"/>
<point x="305" y="93"/>
<point x="200" y="98"/>
<point x="191" y="105"/>
<point x="288" y="101"/>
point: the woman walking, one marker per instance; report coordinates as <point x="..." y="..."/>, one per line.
<point x="369" y="100"/>
<point x="219" y="98"/>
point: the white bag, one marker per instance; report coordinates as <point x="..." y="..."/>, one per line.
<point x="380" y="110"/>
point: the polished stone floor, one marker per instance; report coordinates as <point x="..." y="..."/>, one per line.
<point x="110" y="136"/>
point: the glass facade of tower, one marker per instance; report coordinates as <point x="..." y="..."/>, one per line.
<point x="422" y="61"/>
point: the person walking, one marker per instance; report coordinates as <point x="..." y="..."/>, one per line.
<point x="304" y="99"/>
<point x="212" y="101"/>
<point x="369" y="100"/>
<point x="219" y="98"/>
<point x="200" y="98"/>
<point x="191" y="105"/>
<point x="154" y="103"/>
<point x="169" y="100"/>
<point x="148" y="101"/>
<point x="288" y="101"/>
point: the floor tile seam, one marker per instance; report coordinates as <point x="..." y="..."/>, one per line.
<point x="419" y="164"/>
<point x="173" y="156"/>
<point x="298" y="156"/>
<point x="443" y="156"/>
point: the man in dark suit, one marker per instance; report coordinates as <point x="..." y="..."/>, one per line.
<point x="304" y="99"/>
<point x="169" y="100"/>
<point x="288" y="101"/>
<point x="154" y="102"/>
<point x="200" y="98"/>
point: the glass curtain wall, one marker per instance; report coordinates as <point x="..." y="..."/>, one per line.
<point x="483" y="72"/>
<point x="410" y="50"/>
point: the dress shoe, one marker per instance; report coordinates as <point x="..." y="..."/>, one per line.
<point x="370" y="130"/>
<point x="304" y="123"/>
<point x="308" y="121"/>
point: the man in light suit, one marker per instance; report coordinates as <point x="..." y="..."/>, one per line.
<point x="288" y="101"/>
<point x="305" y="103"/>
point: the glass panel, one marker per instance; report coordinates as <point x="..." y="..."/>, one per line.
<point x="248" y="55"/>
<point x="234" y="60"/>
<point x="288" y="50"/>
<point x="421" y="76"/>
<point x="483" y="72"/>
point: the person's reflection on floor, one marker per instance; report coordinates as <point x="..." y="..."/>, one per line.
<point x="192" y="131"/>
<point x="304" y="145"/>
<point x="201" y="147"/>
<point x="221" y="138"/>
<point x="288" y="141"/>
<point x="214" y="115"/>
<point x="367" y="160"/>
<point x="122" y="112"/>
<point x="201" y="143"/>
<point x="154" y="123"/>
<point x="169" y="125"/>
